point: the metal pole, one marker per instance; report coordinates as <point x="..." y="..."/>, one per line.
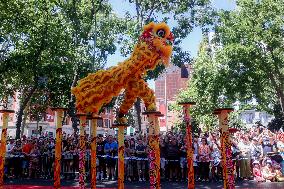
<point x="166" y="103"/>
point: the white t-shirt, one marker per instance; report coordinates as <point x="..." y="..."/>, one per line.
<point x="9" y="147"/>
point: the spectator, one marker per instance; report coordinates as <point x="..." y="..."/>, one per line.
<point x="204" y="158"/>
<point x="17" y="152"/>
<point x="131" y="162"/>
<point x="172" y="154"/>
<point x="256" y="150"/>
<point x="141" y="164"/>
<point x="27" y="148"/>
<point x="100" y="153"/>
<point x="195" y="152"/>
<point x="280" y="147"/>
<point x="257" y="175"/>
<point x="173" y="157"/>
<point x="266" y="138"/>
<point x="268" y="172"/>
<point x="183" y="160"/>
<point x="34" y="161"/>
<point x="235" y="155"/>
<point x="110" y="150"/>
<point x="216" y="157"/>
<point x="162" y="156"/>
<point x="245" y="158"/>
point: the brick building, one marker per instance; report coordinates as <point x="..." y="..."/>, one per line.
<point x="171" y="81"/>
<point x="47" y="125"/>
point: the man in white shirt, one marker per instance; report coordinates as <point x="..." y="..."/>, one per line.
<point x="10" y="145"/>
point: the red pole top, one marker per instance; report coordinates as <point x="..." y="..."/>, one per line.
<point x="187" y="103"/>
<point x="7" y="111"/>
<point x="81" y="115"/>
<point x="119" y="125"/>
<point x="157" y="113"/>
<point x="219" y="110"/>
<point x="58" y="108"/>
<point x="94" y="117"/>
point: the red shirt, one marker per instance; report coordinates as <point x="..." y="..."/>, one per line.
<point x="27" y="148"/>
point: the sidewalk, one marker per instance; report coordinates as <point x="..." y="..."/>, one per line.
<point x="48" y="184"/>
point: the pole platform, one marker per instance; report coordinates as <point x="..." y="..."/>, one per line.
<point x="7" y="111"/>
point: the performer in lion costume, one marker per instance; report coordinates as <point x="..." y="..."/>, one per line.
<point x="97" y="89"/>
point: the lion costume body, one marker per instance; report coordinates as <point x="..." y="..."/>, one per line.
<point x="97" y="89"/>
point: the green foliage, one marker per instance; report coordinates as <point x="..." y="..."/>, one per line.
<point x="185" y="14"/>
<point x="60" y="41"/>
<point x="244" y="60"/>
<point x="251" y="53"/>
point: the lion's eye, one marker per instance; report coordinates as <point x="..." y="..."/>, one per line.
<point x="161" y="33"/>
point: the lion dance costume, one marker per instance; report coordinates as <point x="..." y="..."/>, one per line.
<point x="97" y="89"/>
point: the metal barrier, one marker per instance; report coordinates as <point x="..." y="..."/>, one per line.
<point x="69" y="163"/>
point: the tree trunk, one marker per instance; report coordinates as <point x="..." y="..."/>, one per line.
<point x="137" y="106"/>
<point x="278" y="90"/>
<point x="24" y="121"/>
<point x="21" y="111"/>
<point x="71" y="108"/>
<point x="280" y="95"/>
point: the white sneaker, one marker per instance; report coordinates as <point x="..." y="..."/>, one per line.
<point x="140" y="180"/>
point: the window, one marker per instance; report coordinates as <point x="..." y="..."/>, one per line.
<point x="106" y="121"/>
<point x="100" y="123"/>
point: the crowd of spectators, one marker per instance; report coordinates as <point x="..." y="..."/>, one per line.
<point x="258" y="154"/>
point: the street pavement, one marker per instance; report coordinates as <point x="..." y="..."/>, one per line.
<point x="45" y="184"/>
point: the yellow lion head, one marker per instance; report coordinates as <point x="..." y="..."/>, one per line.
<point x="159" y="38"/>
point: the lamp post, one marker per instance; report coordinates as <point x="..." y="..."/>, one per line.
<point x="5" y="119"/>
<point x="166" y="103"/>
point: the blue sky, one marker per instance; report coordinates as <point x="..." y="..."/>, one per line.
<point x="190" y="44"/>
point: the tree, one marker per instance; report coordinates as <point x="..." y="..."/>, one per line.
<point x="95" y="31"/>
<point x="251" y="51"/>
<point x="36" y="41"/>
<point x="59" y="43"/>
<point x="205" y="88"/>
<point x="244" y="60"/>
